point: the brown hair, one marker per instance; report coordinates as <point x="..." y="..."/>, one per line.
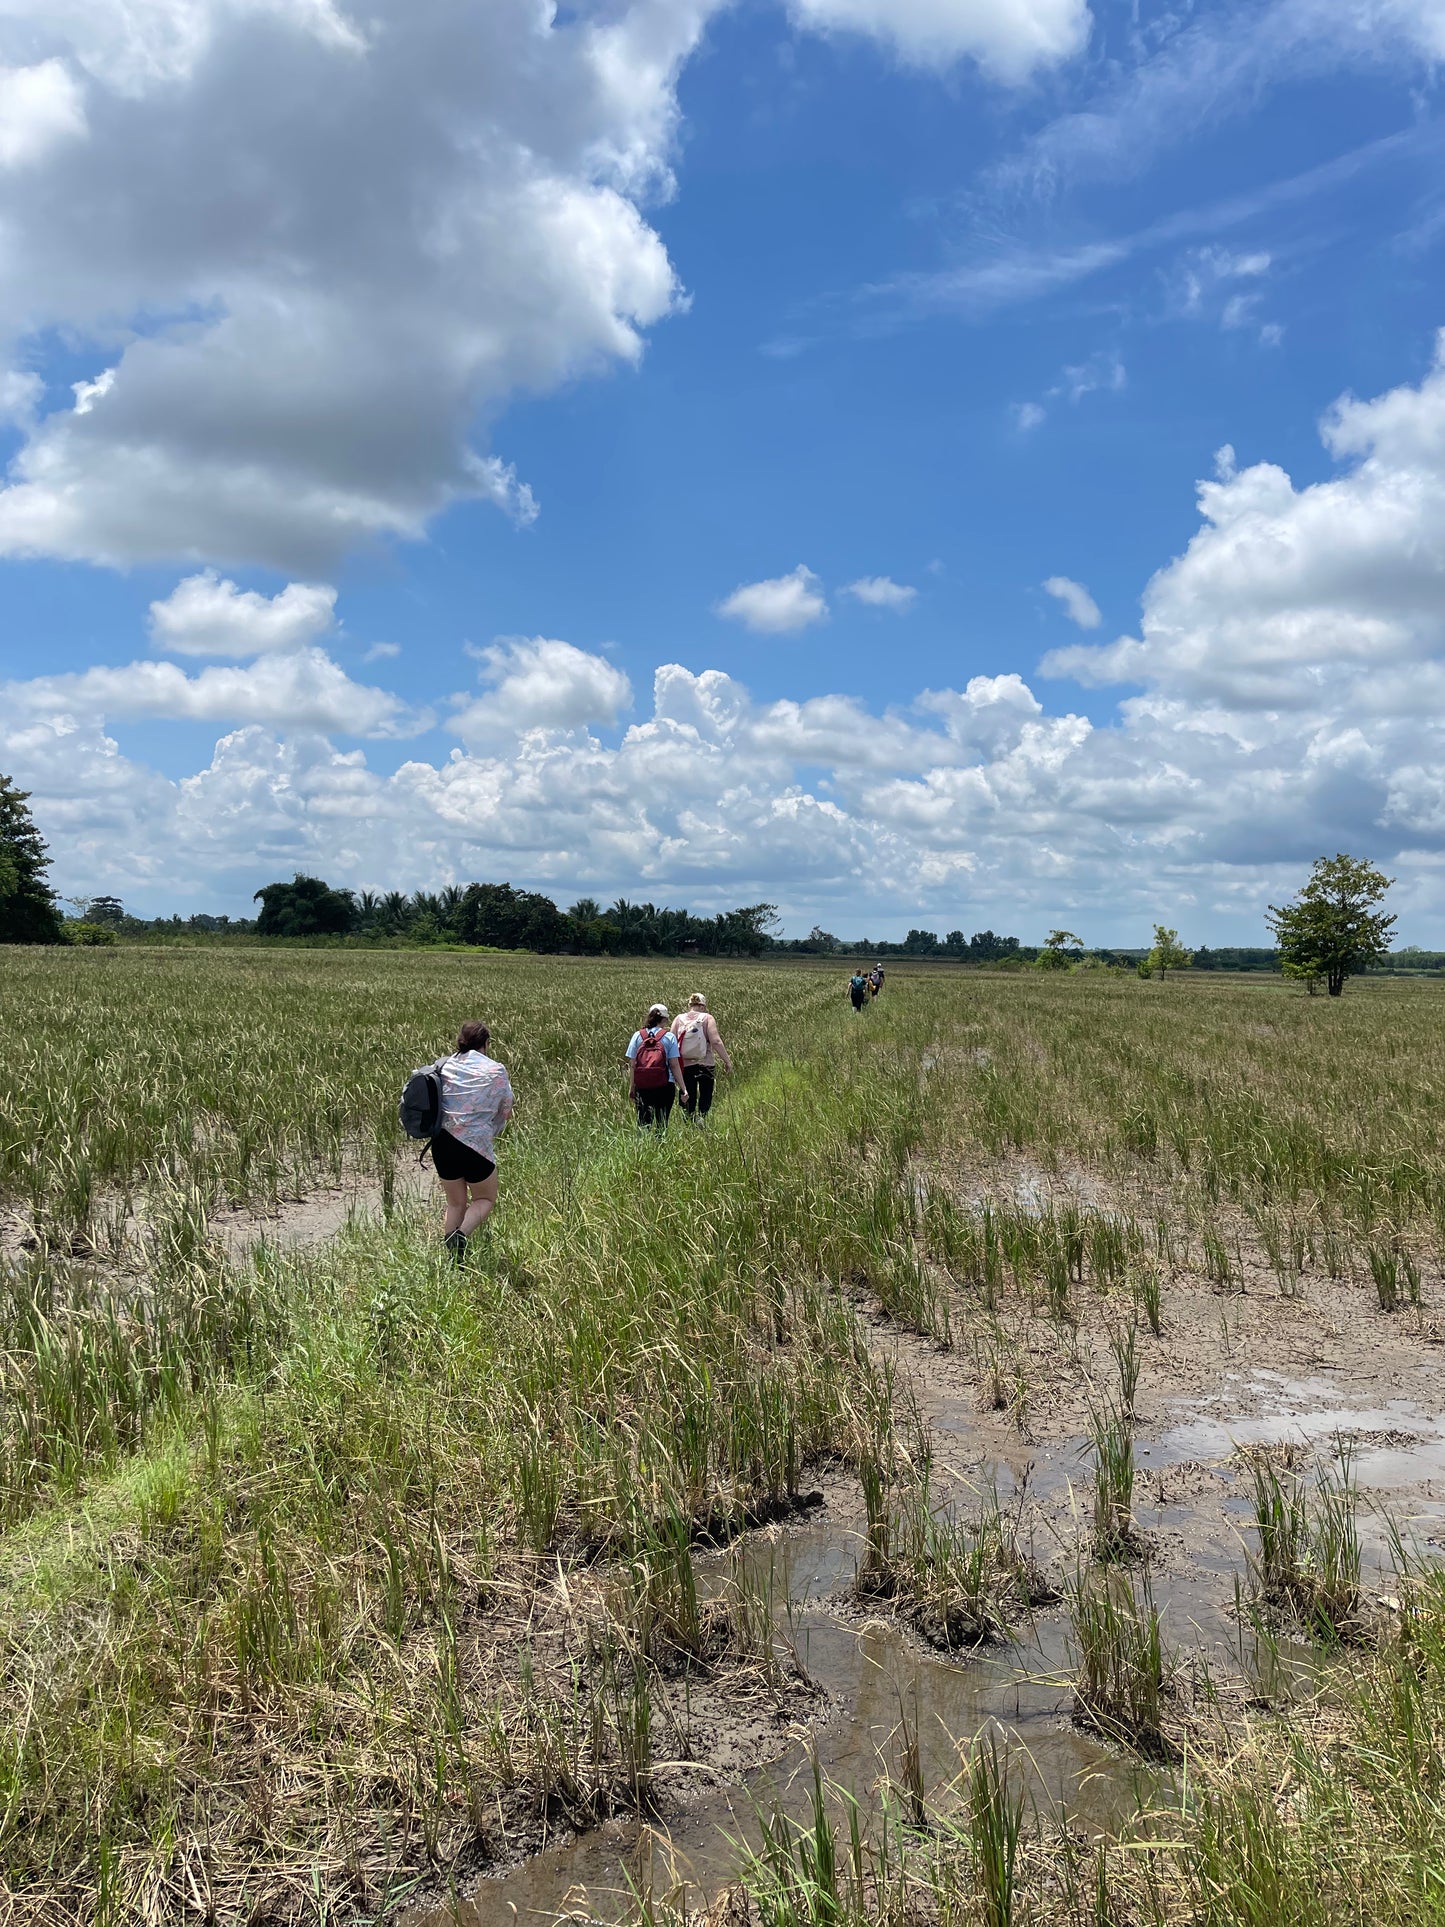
<point x="473" y="1036"/>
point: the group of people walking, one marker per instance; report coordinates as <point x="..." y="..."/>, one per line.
<point x="863" y="989"/>
<point x="671" y="1061"/>
<point x="674" y="1060"/>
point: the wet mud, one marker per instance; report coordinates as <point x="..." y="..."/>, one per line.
<point x="1304" y="1377"/>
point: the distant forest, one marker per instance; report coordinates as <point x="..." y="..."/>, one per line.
<point x="497" y="916"/>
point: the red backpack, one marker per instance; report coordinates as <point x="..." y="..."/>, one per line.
<point x="649" y="1066"/>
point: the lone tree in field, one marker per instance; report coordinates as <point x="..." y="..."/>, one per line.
<point x="1055" y="953"/>
<point x="1168" y="953"/>
<point x="27" y="903"/>
<point x="1331" y="929"/>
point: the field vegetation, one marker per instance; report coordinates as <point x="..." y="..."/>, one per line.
<point x="331" y="1574"/>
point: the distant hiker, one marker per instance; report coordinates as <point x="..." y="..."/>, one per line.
<point x="858" y="989"/>
<point x="476" y="1104"/>
<point x="875" y="979"/>
<point x="701" y="1045"/>
<point x="655" y="1080"/>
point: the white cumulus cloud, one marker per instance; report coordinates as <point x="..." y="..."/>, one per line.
<point x="207" y="616"/>
<point x="881" y="592"/>
<point x="304" y="689"/>
<point x="1079" y="605"/>
<point x="1289" y="598"/>
<point x="781" y="605"/>
<point x="538" y="683"/>
<point x="318" y="314"/>
<point x="1009" y="38"/>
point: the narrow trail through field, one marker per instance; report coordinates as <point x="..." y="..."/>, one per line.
<point x="1229" y="1373"/>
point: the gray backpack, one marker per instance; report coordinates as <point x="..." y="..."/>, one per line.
<point x="420" y="1109"/>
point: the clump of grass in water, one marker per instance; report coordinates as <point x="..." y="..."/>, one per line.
<point x="962" y="1582"/>
<point x="1307" y="1561"/>
<point x="1122" y="1682"/>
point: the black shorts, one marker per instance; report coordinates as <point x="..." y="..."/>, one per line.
<point x="453" y="1159"/>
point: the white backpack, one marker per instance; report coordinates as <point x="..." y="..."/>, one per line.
<point x="694" y="1041"/>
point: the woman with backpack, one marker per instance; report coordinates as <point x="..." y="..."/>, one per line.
<point x="701" y="1046"/>
<point x="858" y="990"/>
<point x="476" y="1105"/>
<point x="655" y="1080"/>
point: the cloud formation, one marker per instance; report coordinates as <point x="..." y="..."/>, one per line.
<point x="313" y="249"/>
<point x="1079" y="605"/>
<point x="1290" y="679"/>
<point x="1009" y="39"/>
<point x="305" y="320"/>
<point x="538" y="684"/>
<point x="882" y="592"/>
<point x="780" y="606"/>
<point x="206" y="616"/>
<point x="303" y="689"/>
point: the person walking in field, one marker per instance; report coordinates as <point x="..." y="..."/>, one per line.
<point x="875" y="978"/>
<point x="701" y="1045"/>
<point x="858" y="989"/>
<point x="655" y="1078"/>
<point x="476" y="1105"/>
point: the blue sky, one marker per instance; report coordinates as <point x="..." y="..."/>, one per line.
<point x="710" y="452"/>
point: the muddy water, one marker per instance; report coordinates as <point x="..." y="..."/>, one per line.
<point x="1193" y="1505"/>
<point x="874" y="1677"/>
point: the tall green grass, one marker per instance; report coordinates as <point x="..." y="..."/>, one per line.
<point x="256" y="1512"/>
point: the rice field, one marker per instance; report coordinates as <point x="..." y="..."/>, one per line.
<point x="333" y="1578"/>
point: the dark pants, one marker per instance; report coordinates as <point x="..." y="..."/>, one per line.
<point x="857" y="996"/>
<point x="654" y="1106"/>
<point x="699" y="1079"/>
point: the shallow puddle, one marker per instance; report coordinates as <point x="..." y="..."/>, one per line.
<point x="1192" y="1501"/>
<point x="876" y="1677"/>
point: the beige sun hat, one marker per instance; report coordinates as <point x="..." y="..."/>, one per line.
<point x="697" y="1001"/>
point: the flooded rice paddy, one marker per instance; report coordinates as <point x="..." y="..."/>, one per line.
<point x="878" y="1682"/>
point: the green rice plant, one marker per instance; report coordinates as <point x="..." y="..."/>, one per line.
<point x="802" y="1875"/>
<point x="995" y="1828"/>
<point x="1054" y="1260"/>
<point x="962" y="1581"/>
<point x="1149" y="1291"/>
<point x="1112" y="1439"/>
<point x="1122" y="1681"/>
<point x="1111" y="1242"/>
<point x="1384" y="1262"/>
<point x="537" y="1487"/>
<point x="1281" y="1519"/>
<point x="1307" y="1562"/>
<point x="1124" y="1344"/>
<point x="1243" y="1863"/>
<point x="1410" y="1267"/>
<point x="909" y="1755"/>
<point x="993" y="1384"/>
<point x="628" y="1688"/>
<point x="1217" y="1266"/>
